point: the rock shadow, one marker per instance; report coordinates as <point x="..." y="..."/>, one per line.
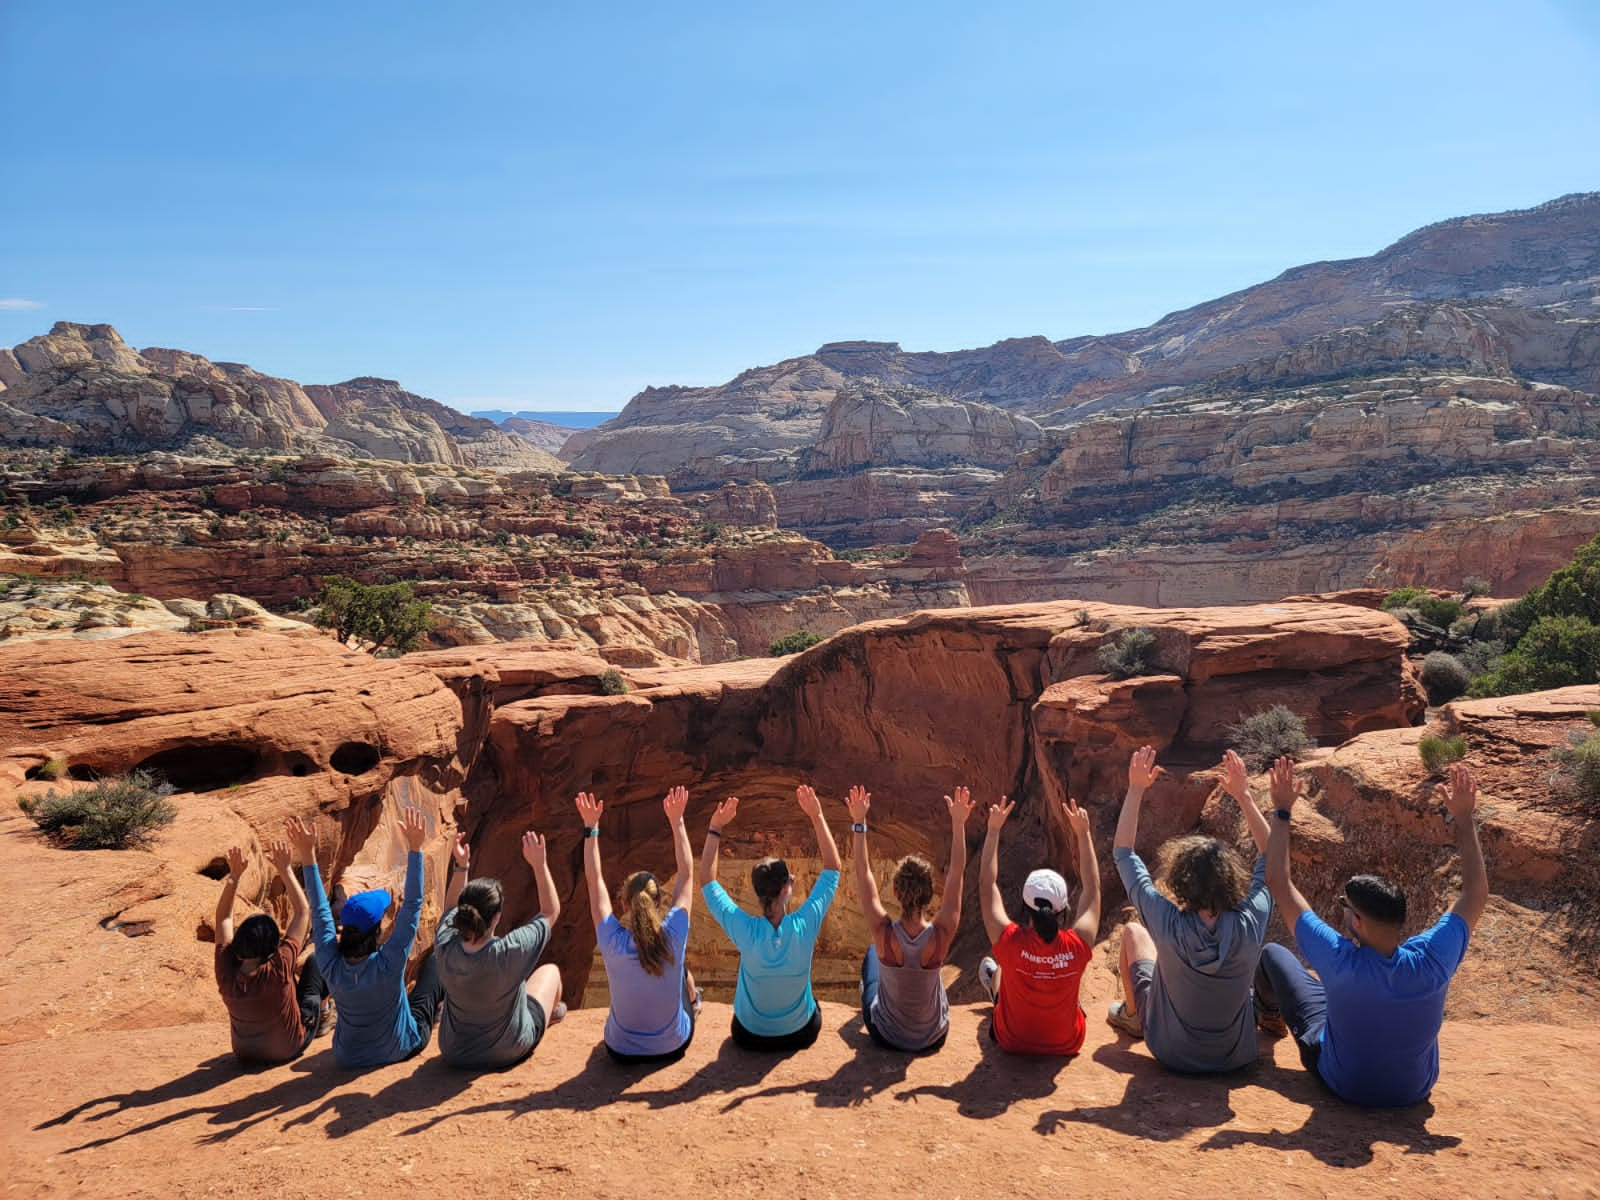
<point x="996" y="1082"/>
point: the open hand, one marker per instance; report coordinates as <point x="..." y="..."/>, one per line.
<point x="236" y="863"/>
<point x="1077" y="818"/>
<point x="1285" y="791"/>
<point x="1460" y="798"/>
<point x="998" y="814"/>
<point x="1142" y="769"/>
<point x="278" y="856"/>
<point x="413" y="828"/>
<point x="859" y="802"/>
<point x="809" y="804"/>
<point x="302" y="839"/>
<point x="460" y="852"/>
<point x="675" y="803"/>
<point x="960" y="807"/>
<point x="533" y="850"/>
<point x="726" y="811"/>
<point x="1236" y="777"/>
<point x="589" y="809"/>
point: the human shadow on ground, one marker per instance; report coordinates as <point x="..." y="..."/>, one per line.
<point x="207" y="1075"/>
<point x="870" y="1068"/>
<point x="733" y="1068"/>
<point x="1157" y="1104"/>
<point x="432" y="1084"/>
<point x="310" y="1079"/>
<point x="996" y="1082"/>
<point x="1342" y="1135"/>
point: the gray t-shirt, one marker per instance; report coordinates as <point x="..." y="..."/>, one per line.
<point x="485" y="1021"/>
<point x="1200" y="1015"/>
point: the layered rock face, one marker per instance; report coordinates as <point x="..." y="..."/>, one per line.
<point x="82" y="386"/>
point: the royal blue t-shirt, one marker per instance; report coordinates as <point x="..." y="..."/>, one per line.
<point x="1380" y="1046"/>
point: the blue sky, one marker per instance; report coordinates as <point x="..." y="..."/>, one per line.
<point x="526" y="205"/>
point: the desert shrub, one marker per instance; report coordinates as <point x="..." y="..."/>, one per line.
<point x="50" y="769"/>
<point x="379" y="615"/>
<point x="1474" y="585"/>
<point x="1577" y="777"/>
<point x="1555" y="652"/>
<point x="1263" y="737"/>
<point x="793" y="643"/>
<point x="1438" y="752"/>
<point x="612" y="683"/>
<point x="1445" y="676"/>
<point x="1478" y="657"/>
<point x="1129" y="654"/>
<point x="1405" y="597"/>
<point x="110" y="815"/>
<point x="1442" y="613"/>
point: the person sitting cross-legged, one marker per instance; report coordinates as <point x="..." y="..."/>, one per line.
<point x="1187" y="964"/>
<point x="1368" y="1022"/>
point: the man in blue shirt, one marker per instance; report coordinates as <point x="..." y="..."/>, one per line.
<point x="773" y="1008"/>
<point x="1369" y="1026"/>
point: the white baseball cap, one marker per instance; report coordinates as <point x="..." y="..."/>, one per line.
<point x="1044" y="884"/>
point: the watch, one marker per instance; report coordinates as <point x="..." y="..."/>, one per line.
<point x="1283" y="814"/>
<point x="592" y="831"/>
<point x="858" y="827"/>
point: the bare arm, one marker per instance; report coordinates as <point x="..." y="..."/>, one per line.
<point x="222" y="924"/>
<point x="1236" y="782"/>
<point x="589" y="810"/>
<point x="812" y="807"/>
<point x="994" y="908"/>
<point x="1287" y="897"/>
<point x="1086" y="924"/>
<point x="860" y="803"/>
<point x="533" y="853"/>
<point x="1461" y="801"/>
<point x="725" y="813"/>
<point x="960" y="807"/>
<point x="675" y="804"/>
<point x="460" y="869"/>
<point x="278" y="854"/>
<point x="1142" y="772"/>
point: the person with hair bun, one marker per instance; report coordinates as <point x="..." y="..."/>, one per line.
<point x="1187" y="963"/>
<point x="903" y="1000"/>
<point x="498" y="1001"/>
<point x="1035" y="970"/>
<point x="379" y="1022"/>
<point x="653" y="997"/>
<point x="271" y="1018"/>
<point x="773" y="1007"/>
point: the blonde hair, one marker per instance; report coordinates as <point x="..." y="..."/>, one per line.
<point x="640" y="900"/>
<point x="913" y="884"/>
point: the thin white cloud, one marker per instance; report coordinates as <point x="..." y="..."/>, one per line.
<point x="17" y="304"/>
<point x="236" y="308"/>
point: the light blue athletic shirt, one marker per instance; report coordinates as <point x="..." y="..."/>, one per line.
<point x="774" y="993"/>
<point x="647" y="1014"/>
<point x="1380" y="1046"/>
<point x="375" y="1023"/>
<point x="1200" y="1015"/>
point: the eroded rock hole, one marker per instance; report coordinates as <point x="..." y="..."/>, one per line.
<point x="204" y="768"/>
<point x="355" y="758"/>
<point x="217" y="868"/>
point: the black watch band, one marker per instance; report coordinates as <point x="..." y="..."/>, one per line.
<point x="1283" y="814"/>
<point x="858" y="827"/>
<point x="592" y="831"/>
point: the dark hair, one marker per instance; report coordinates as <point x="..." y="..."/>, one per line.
<point x="913" y="883"/>
<point x="1203" y="873"/>
<point x="641" y="912"/>
<point x="1377" y="899"/>
<point x="1044" y="920"/>
<point x="257" y="937"/>
<point x="358" y="943"/>
<point x="769" y="877"/>
<point x="480" y="903"/>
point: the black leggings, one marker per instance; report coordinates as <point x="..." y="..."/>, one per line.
<point x="309" y="994"/>
<point x="805" y="1036"/>
<point x="426" y="995"/>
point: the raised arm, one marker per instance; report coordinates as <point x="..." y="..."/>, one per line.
<point x="994" y="908"/>
<point x="278" y="854"/>
<point x="860" y="803"/>
<point x="675" y="804"/>
<point x="1236" y="782"/>
<point x="589" y="810"/>
<point x="1086" y="923"/>
<point x="222" y="924"/>
<point x="812" y="807"/>
<point x="303" y="844"/>
<point x="533" y="853"/>
<point x="960" y="807"/>
<point x="460" y="870"/>
<point x="1284" y="793"/>
<point x="1142" y="772"/>
<point x="725" y="813"/>
<point x="1460" y="799"/>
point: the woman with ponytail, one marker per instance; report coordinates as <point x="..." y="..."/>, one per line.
<point x="653" y="997"/>
<point x="497" y="1001"/>
<point x="1036" y="968"/>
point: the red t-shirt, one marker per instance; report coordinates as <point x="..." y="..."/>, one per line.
<point x="1038" y="1012"/>
<point x="263" y="1010"/>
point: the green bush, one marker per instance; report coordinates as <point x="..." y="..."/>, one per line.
<point x="110" y="815"/>
<point x="378" y="615"/>
<point x="1555" y="652"/>
<point x="612" y="683"/>
<point x="1268" y="735"/>
<point x="793" y="643"/>
<point x="1445" y="676"/>
<point x="1474" y="585"/>
<point x="1128" y="655"/>
<point x="1442" y="613"/>
<point x="1437" y="752"/>
<point x="50" y="769"/>
<point x="1405" y="597"/>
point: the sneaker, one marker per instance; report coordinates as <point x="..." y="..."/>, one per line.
<point x="559" y="1011"/>
<point x="988" y="976"/>
<point x="699" y="1000"/>
<point x="330" y="1016"/>
<point x="1271" y="1023"/>
<point x="1123" y="1021"/>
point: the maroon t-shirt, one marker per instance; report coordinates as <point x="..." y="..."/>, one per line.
<point x="263" y="1011"/>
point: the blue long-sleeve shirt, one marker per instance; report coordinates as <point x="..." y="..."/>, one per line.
<point x="375" y="1024"/>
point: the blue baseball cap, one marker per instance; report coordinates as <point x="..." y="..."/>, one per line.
<point x="364" y="910"/>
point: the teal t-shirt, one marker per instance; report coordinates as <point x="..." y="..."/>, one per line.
<point x="773" y="997"/>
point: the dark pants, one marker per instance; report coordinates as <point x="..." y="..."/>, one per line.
<point x="805" y="1036"/>
<point x="309" y="994"/>
<point x="1284" y="986"/>
<point x="870" y="973"/>
<point x="426" y="995"/>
